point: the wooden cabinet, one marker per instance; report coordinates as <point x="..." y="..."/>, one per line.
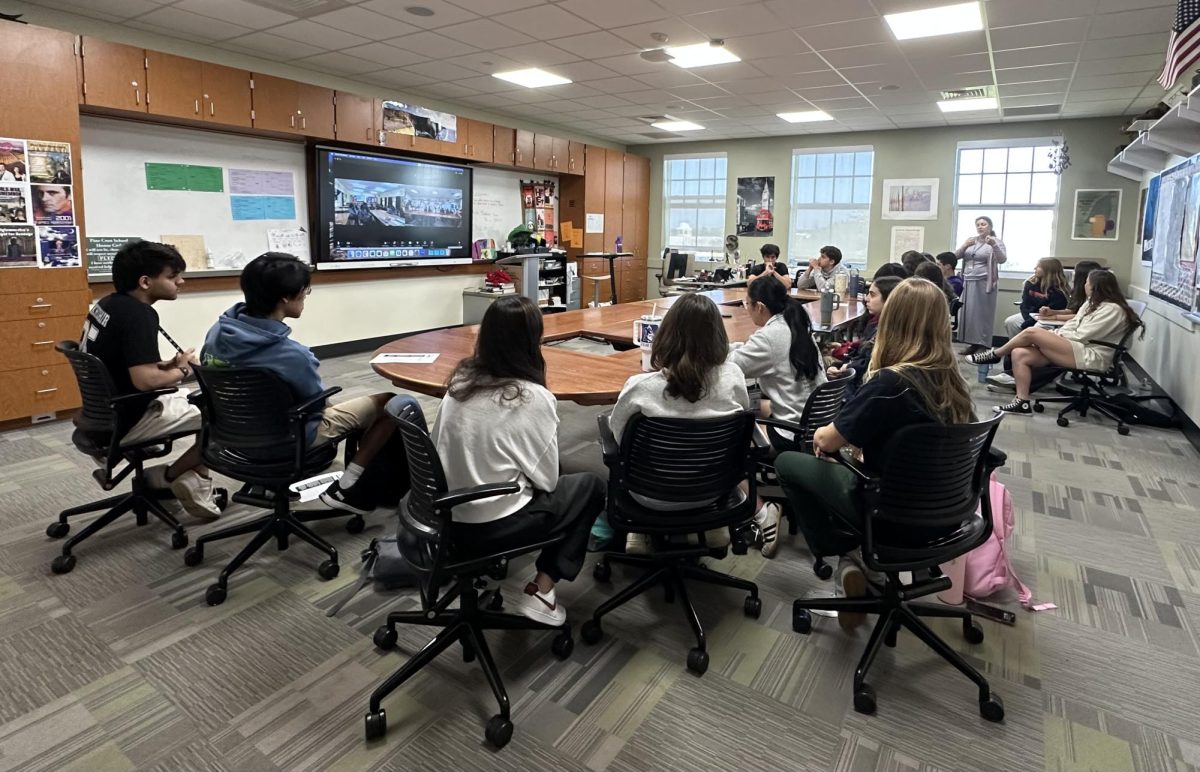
<point x="559" y="159"/>
<point x="314" y="110"/>
<point x="480" y="145"/>
<point x="543" y="152"/>
<point x="575" y="159"/>
<point x="358" y="118"/>
<point x="296" y="108"/>
<point x="226" y="98"/>
<point x="614" y="175"/>
<point x="173" y="85"/>
<point x="504" y="145"/>
<point x="114" y="75"/>
<point x="34" y="378"/>
<point x="524" y="150"/>
<point x="593" y="194"/>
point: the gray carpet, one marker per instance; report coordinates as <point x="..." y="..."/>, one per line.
<point x="121" y="665"/>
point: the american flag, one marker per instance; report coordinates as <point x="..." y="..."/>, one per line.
<point x="1183" y="50"/>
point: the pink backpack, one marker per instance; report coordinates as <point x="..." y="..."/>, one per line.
<point x="988" y="569"/>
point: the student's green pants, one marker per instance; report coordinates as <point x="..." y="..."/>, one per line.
<point x="822" y="493"/>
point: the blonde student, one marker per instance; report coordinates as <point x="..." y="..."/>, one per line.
<point x="1046" y="289"/>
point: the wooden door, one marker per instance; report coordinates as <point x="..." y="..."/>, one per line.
<point x="561" y="154"/>
<point x="462" y="137"/>
<point x="314" y="111"/>
<point x="173" y="85"/>
<point x="614" y="175"/>
<point x="227" y="96"/>
<point x="114" y="75"/>
<point x="482" y="141"/>
<point x="593" y="194"/>
<point x="543" y="152"/>
<point x="575" y="163"/>
<point x="276" y="101"/>
<point x="504" y="145"/>
<point x="524" y="151"/>
<point x="355" y="118"/>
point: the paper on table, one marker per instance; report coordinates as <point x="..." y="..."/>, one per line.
<point x="403" y="359"/>
<point x="195" y="254"/>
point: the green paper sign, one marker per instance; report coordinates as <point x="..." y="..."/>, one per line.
<point x="101" y="250"/>
<point x="201" y="179"/>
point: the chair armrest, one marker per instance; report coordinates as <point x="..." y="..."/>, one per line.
<point x="1106" y="344"/>
<point x="996" y="458"/>
<point x="306" y="407"/>
<point x="778" y="424"/>
<point x="116" y="401"/>
<point x="608" y="443"/>
<point x="854" y="466"/>
<point x="453" y="498"/>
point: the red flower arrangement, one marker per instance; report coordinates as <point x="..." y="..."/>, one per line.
<point x="499" y="276"/>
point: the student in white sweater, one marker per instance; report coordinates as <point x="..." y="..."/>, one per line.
<point x="785" y="359"/>
<point x="1105" y="316"/>
<point x="692" y="378"/>
<point x="499" y="423"/>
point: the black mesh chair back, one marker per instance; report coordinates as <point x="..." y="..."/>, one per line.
<point x="823" y="405"/>
<point x="96" y="389"/>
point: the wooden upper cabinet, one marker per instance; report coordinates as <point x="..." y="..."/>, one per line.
<point x="504" y="145"/>
<point x="524" y="150"/>
<point x="275" y="101"/>
<point x="114" y="75"/>
<point x="173" y="85"/>
<point x="358" y="118"/>
<point x="560" y="159"/>
<point x="575" y="163"/>
<point x="543" y="152"/>
<point x="226" y="96"/>
<point x="482" y="144"/>
<point x="314" y="110"/>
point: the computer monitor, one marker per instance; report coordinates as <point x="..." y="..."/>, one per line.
<point x="677" y="265"/>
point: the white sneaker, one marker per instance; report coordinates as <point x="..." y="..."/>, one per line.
<point x="853" y="583"/>
<point x="767" y="519"/>
<point x="195" y="493"/>
<point x="541" y="606"/>
<point x="637" y="544"/>
<point x="1002" y="379"/>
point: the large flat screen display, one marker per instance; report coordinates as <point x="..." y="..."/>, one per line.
<point x="380" y="212"/>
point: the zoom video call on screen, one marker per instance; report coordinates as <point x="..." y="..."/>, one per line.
<point x="378" y="211"/>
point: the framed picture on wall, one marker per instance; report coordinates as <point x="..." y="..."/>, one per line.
<point x="1097" y="212"/>
<point x="915" y="199"/>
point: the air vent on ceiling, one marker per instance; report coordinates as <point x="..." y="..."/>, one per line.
<point x="301" y="8"/>
<point x="655" y="118"/>
<point x="1019" y="112"/>
<point x="969" y="93"/>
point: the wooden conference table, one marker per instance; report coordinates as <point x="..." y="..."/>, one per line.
<point x="587" y="379"/>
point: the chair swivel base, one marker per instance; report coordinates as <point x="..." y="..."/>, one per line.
<point x="892" y="604"/>
<point x="1081" y="403"/>
<point x="464" y="626"/>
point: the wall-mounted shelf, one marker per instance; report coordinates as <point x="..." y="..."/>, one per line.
<point x="1176" y="133"/>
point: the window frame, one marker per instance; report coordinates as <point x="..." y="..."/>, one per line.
<point x="702" y="253"/>
<point x="794" y="207"/>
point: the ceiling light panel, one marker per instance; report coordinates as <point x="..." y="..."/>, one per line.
<point x="806" y="116"/>
<point x="967" y="105"/>
<point x="946" y="20"/>
<point x="701" y="55"/>
<point x="677" y="126"/>
<point x="532" y="78"/>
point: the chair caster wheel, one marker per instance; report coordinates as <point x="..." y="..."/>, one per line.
<point x="193" y="556"/>
<point x="496" y="602"/>
<point x="563" y="645"/>
<point x="57" y="530"/>
<point x="355" y="524"/>
<point x="376" y="724"/>
<point x="1063" y="421"/>
<point x="1123" y="430"/>
<point x="328" y="570"/>
<point x="864" y="699"/>
<point x="498" y="731"/>
<point x="822" y="569"/>
<point x="468" y="649"/>
<point x="384" y="639"/>
<point x="697" y="661"/>
<point x="602" y="572"/>
<point x="801" y="621"/>
<point x="1038" y="407"/>
<point x="63" y="564"/>
<point x="972" y="632"/>
<point x="752" y="607"/>
<point x="179" y="540"/>
<point x="739" y="546"/>
<point x="889" y="639"/>
<point x="992" y="708"/>
<point x="215" y="595"/>
<point x="591" y="632"/>
<point x="221" y="498"/>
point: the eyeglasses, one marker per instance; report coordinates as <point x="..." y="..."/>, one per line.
<point x="308" y="290"/>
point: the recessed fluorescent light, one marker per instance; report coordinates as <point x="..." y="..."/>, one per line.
<point x="807" y="116"/>
<point x="702" y="55"/>
<point x="967" y="105"/>
<point x="677" y="126"/>
<point x="531" y="78"/>
<point x="946" y="20"/>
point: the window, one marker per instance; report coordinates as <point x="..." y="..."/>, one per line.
<point x="694" y="204"/>
<point x="831" y="203"/>
<point x="1011" y="183"/>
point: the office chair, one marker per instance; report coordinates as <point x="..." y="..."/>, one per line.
<point x="1093" y="385"/>
<point x="914" y="521"/>
<point x="102" y="423"/>
<point x="674" y="265"/>
<point x="426" y="543"/>
<point x="255" y="432"/>
<point x="680" y="461"/>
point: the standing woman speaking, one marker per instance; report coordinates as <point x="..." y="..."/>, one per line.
<point x="981" y="256"/>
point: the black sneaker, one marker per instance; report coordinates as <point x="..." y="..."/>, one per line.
<point x="1016" y="407"/>
<point x="347" y="501"/>
<point x="986" y="357"/>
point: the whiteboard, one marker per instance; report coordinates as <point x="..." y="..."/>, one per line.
<point x="117" y="202"/>
<point x="496" y="202"/>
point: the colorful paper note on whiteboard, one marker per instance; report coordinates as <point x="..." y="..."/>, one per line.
<point x="191" y="246"/>
<point x="260" y="181"/>
<point x="292" y="241"/>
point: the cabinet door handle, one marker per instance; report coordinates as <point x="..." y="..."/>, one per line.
<point x="42" y="305"/>
<point x="137" y="96"/>
<point x="196" y="108"/>
<point x="43" y="343"/>
<point x="46" y="391"/>
<point x="303" y="122"/>
<point x="293" y="120"/>
<point x="212" y="108"/>
<point x="368" y="130"/>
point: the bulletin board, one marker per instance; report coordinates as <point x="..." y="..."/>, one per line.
<point x="222" y="199"/>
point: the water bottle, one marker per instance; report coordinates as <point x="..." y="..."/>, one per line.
<point x="829" y="301"/>
<point x="619" y="244"/>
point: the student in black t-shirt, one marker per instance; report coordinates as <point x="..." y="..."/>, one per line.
<point x="913" y="379"/>
<point x="769" y="265"/>
<point x="121" y="329"/>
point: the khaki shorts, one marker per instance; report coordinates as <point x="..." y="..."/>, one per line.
<point x="168" y="414"/>
<point x="352" y="415"/>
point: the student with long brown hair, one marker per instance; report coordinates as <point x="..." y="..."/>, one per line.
<point x="1078" y="294"/>
<point x="1046" y="289"/>
<point x="912" y="379"/>
<point x="499" y="423"/>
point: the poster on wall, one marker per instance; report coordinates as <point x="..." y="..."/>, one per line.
<point x="906" y="238"/>
<point x="1149" y="205"/>
<point x="59" y="246"/>
<point x="412" y="120"/>
<point x="755" y="206"/>
<point x="1097" y="213"/>
<point x="1173" y="257"/>
<point x="49" y="162"/>
<point x="18" y="246"/>
<point x="14" y="165"/>
<point x="915" y="199"/>
<point x="14" y="204"/>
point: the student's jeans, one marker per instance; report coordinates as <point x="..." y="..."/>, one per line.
<point x="825" y="499"/>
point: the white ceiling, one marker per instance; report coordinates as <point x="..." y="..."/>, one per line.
<point x="1085" y="57"/>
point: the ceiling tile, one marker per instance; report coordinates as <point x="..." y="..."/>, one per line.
<point x="318" y="35"/>
<point x="827" y="92"/>
<point x="398" y="76"/>
<point x="858" y="56"/>
<point x="487" y="62"/>
<point x="953" y="82"/>
<point x="109" y="10"/>
<point x="1123" y="80"/>
<point x="1009" y="12"/>
<point x="733" y="22"/>
<point x="615" y="13"/>
<point x="604" y="101"/>
<point x="812" y="80"/>
<point x="1025" y="57"/>
<point x="649" y="97"/>
<point x="336" y="61"/>
<point x="1149" y="20"/>
<point x="669" y="78"/>
<point x="848" y="33"/>
<point x="233" y="11"/>
<point x="452" y="90"/>
<point x="678" y="32"/>
<point x="595" y="45"/>
<point x="441" y="70"/>
<point x="795" y="14"/>
<point x="1144" y="63"/>
<point x="1133" y="45"/>
<point x="570" y="91"/>
<point x="1103" y="95"/>
<point x="840" y="105"/>
<point x="1111" y="107"/>
<point x="537" y="55"/>
<point x="485" y="34"/>
<point x="1034" y="87"/>
<point x="584" y="72"/>
<point x="493" y="7"/>
<point x="699" y="91"/>
<point x="384" y="54"/>
<point x="955" y="65"/>
<point x="1034" y="100"/>
<point x="779" y="42"/>
<point x="444" y="13"/>
<point x="1040" y="72"/>
<point x="945" y="46"/>
<point x="368" y="24"/>
<point x="631" y="64"/>
<point x="174" y="20"/>
<point x="486" y="84"/>
<point x="431" y="45"/>
<point x="620" y="85"/>
<point x="790" y="64"/>
<point x="746" y="86"/>
<point x="1044" y="34"/>
<point x="546" y="22"/>
<point x="266" y="44"/>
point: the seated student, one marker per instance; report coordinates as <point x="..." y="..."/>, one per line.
<point x="769" y="265"/>
<point x="860" y="355"/>
<point x="499" y="423"/>
<point x="911" y="259"/>
<point x="822" y="271"/>
<point x="253" y="334"/>
<point x="1047" y="288"/>
<point x="949" y="265"/>
<point x="121" y="330"/>
<point x="932" y="272"/>
<point x="1078" y="294"/>
<point x="890" y="269"/>
<point x="1104" y="317"/>
<point x="786" y="380"/>
<point x="693" y="378"/>
<point x="913" y="379"/>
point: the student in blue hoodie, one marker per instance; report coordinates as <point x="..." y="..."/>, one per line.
<point x="253" y="334"/>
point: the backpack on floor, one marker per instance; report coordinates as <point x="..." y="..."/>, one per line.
<point x="988" y="569"/>
<point x="383" y="565"/>
<point x="1141" y="413"/>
